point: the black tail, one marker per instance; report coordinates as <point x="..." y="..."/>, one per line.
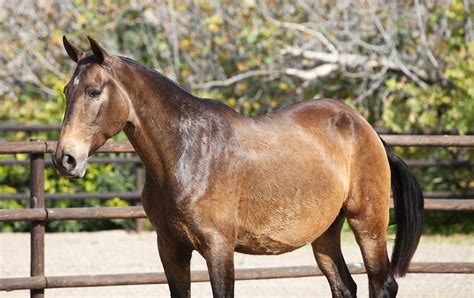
<point x="408" y="202"/>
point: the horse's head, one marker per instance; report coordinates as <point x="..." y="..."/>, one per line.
<point x="97" y="108"/>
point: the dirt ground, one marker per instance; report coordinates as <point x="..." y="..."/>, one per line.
<point x="122" y="252"/>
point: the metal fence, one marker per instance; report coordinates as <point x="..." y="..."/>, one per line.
<point x="37" y="214"/>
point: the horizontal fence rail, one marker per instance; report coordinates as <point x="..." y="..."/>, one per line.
<point x="77" y="196"/>
<point x="77" y="213"/>
<point x="135" y="160"/>
<point x="38" y="214"/>
<point x="11" y="127"/>
<point x="126" y="147"/>
<point x="429" y="141"/>
<point x="76" y="281"/>
<point x="135" y="195"/>
<point x="82" y="213"/>
<point x="29" y="128"/>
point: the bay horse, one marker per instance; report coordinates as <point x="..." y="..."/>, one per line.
<point x="218" y="182"/>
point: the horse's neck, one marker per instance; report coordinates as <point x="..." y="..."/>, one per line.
<point x="165" y="124"/>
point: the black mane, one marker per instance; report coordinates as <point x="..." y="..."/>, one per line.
<point x="156" y="72"/>
<point x="209" y="103"/>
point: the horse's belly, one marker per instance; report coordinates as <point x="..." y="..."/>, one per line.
<point x="274" y="220"/>
<point x="263" y="245"/>
<point x="272" y="244"/>
<point x="279" y="233"/>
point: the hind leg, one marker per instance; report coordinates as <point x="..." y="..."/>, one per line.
<point x="368" y="219"/>
<point x="327" y="251"/>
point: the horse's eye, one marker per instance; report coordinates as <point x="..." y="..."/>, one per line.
<point x="94" y="92"/>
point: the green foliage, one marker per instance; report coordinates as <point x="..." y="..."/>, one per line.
<point x="435" y="109"/>
<point x="449" y="222"/>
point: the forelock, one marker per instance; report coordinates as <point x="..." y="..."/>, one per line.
<point x="91" y="59"/>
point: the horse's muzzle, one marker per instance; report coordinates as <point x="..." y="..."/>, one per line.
<point x="70" y="165"/>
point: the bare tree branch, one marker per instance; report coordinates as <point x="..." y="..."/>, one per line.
<point x="33" y="78"/>
<point x="47" y="64"/>
<point x="422" y="29"/>
<point x="352" y="60"/>
<point x="174" y="38"/>
<point x="468" y="33"/>
<point x="234" y="79"/>
<point x="299" y="27"/>
<point x="313" y="74"/>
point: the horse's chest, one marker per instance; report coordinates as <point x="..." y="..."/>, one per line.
<point x="170" y="220"/>
<point x="181" y="229"/>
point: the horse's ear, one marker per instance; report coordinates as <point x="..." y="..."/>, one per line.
<point x="73" y="52"/>
<point x="98" y="51"/>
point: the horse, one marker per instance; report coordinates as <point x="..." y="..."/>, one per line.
<point x="218" y="182"/>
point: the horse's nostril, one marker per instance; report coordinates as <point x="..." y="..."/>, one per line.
<point x="69" y="162"/>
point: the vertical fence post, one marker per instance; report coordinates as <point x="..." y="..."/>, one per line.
<point x="37" y="227"/>
<point x="138" y="188"/>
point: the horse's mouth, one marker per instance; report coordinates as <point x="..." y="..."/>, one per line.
<point x="74" y="176"/>
<point x="71" y="176"/>
<point x="77" y="173"/>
